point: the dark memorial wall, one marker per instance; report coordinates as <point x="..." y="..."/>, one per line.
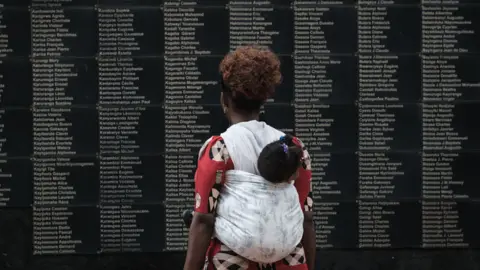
<point x="104" y="105"/>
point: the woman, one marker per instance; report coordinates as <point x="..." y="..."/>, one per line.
<point x="251" y="164"/>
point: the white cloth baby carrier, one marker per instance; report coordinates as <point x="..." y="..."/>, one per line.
<point x="258" y="220"/>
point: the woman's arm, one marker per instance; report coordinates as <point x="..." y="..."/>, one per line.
<point x="199" y="238"/>
<point x="209" y="177"/>
<point x="303" y="184"/>
<point x="309" y="240"/>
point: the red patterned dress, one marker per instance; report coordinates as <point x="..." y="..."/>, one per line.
<point x="214" y="161"/>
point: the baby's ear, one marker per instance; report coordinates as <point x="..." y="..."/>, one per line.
<point x="294" y="176"/>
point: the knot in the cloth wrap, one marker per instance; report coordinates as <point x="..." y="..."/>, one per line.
<point x="258" y="220"/>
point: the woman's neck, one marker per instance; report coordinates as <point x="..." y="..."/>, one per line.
<point x="238" y="118"/>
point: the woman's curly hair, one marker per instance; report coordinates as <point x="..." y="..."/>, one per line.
<point x="252" y="71"/>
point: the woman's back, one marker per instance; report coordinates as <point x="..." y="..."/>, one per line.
<point x="259" y="220"/>
<point x="246" y="140"/>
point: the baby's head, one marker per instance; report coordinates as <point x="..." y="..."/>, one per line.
<point x="279" y="160"/>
